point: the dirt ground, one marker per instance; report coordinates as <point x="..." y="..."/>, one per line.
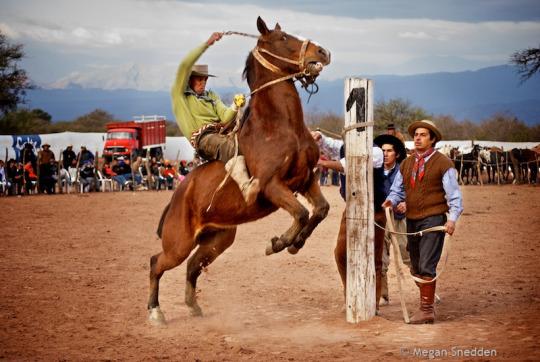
<point x="74" y="284"/>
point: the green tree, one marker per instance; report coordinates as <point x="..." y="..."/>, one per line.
<point x="13" y="80"/>
<point x="94" y="121"/>
<point x="327" y="122"/>
<point x="172" y="129"/>
<point x="25" y="121"/>
<point x="398" y="111"/>
<point x="504" y="127"/>
<point x="527" y="62"/>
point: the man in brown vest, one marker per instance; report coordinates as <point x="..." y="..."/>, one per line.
<point x="428" y="184"/>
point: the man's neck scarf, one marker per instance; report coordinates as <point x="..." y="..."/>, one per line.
<point x="418" y="168"/>
<point x="205" y="96"/>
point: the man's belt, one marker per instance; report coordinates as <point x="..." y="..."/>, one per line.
<point x="194" y="139"/>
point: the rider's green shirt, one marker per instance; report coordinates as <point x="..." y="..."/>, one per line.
<point x="190" y="110"/>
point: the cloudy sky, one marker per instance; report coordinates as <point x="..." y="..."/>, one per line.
<point x="102" y="43"/>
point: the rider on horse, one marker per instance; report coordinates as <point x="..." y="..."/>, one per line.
<point x="201" y="115"/>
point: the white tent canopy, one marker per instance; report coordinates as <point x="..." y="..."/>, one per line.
<point x="465" y="146"/>
<point x="175" y="147"/>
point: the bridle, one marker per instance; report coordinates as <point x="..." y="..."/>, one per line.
<point x="300" y="62"/>
<point x="306" y="75"/>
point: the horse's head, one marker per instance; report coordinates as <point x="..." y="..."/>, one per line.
<point x="485" y="155"/>
<point x="285" y="54"/>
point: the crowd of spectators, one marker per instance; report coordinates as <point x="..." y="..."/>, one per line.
<point x="38" y="171"/>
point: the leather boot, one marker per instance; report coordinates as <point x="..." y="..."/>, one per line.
<point x="426" y="314"/>
<point x="249" y="186"/>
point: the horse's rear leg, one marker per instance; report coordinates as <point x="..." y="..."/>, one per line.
<point x="280" y="195"/>
<point x="320" y="210"/>
<point x="177" y="246"/>
<point x="212" y="244"/>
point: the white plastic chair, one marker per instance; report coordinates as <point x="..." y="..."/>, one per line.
<point x="104" y="183"/>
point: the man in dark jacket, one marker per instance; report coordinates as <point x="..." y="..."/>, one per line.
<point x="68" y="155"/>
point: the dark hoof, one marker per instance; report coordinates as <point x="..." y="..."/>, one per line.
<point x="293" y="250"/>
<point x="274" y="246"/>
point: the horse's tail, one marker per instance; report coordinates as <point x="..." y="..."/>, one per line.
<point x="160" y="226"/>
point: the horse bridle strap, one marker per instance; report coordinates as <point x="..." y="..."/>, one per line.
<point x="265" y="63"/>
<point x="300" y="62"/>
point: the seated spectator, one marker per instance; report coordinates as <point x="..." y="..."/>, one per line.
<point x="30" y="177"/>
<point x="87" y="177"/>
<point x="183" y="169"/>
<point x="137" y="173"/>
<point x="28" y="154"/>
<point x="123" y="173"/>
<point x="155" y="170"/>
<point x="68" y="156"/>
<point x="85" y="156"/>
<point x="3" y="179"/>
<point x="48" y="177"/>
<point x="15" y="175"/>
<point x="107" y="170"/>
<point x="169" y="173"/>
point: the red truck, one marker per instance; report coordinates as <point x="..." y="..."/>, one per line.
<point x="144" y="136"/>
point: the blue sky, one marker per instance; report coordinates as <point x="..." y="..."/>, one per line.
<point x="138" y="43"/>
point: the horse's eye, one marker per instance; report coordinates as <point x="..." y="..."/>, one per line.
<point x="284" y="38"/>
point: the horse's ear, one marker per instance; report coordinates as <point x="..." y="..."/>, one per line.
<point x="261" y="25"/>
<point x="277" y="27"/>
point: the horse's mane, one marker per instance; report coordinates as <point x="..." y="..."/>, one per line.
<point x="249" y="70"/>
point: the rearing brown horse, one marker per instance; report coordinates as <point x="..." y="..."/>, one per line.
<point x="279" y="151"/>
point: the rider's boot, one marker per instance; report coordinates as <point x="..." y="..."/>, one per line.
<point x="248" y="185"/>
<point x="426" y="313"/>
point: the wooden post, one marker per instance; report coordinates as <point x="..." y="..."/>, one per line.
<point x="360" y="298"/>
<point x="479" y="170"/>
<point x="59" y="172"/>
<point x="498" y="170"/>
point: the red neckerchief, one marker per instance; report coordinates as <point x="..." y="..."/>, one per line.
<point x="419" y="161"/>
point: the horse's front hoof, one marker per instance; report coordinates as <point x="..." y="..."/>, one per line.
<point x="270" y="247"/>
<point x="156" y="317"/>
<point x="293" y="250"/>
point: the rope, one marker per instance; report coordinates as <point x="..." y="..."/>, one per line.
<point x="230" y="32"/>
<point x="417" y="233"/>
<point x="330" y="133"/>
<point x="397" y="260"/>
<point x="356" y="125"/>
<point x="390" y="219"/>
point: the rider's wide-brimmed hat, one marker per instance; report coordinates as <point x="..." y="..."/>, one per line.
<point x="399" y="147"/>
<point x="425" y="124"/>
<point x="201" y="70"/>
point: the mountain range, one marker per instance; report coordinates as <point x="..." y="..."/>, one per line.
<point x="472" y="95"/>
